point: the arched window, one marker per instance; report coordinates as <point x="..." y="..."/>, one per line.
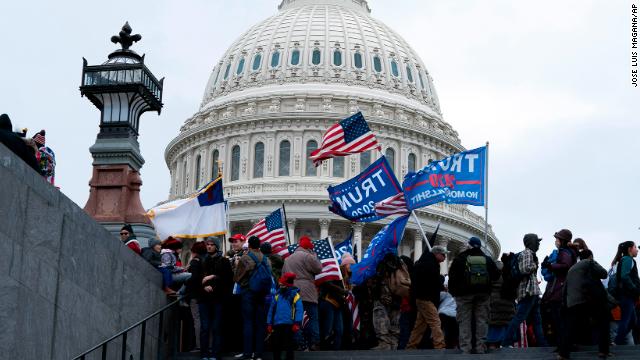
<point x="226" y="72"/>
<point x="196" y="185"/>
<point x="409" y="74"/>
<point x="258" y="160"/>
<point x="412" y="162"/>
<point x="310" y="169"/>
<point x="217" y="75"/>
<point x="357" y="60"/>
<point x="394" y="68"/>
<point x="275" y="58"/>
<point x="377" y="64"/>
<point x="315" y="57"/>
<point x="295" y="57"/>
<point x="240" y="68"/>
<point x="285" y="158"/>
<point x="235" y="163"/>
<point x="390" y="154"/>
<point x="337" y="57"/>
<point x="256" y="62"/>
<point x="365" y="160"/>
<point x="421" y="80"/>
<point x="215" y="169"/>
<point x="338" y="166"/>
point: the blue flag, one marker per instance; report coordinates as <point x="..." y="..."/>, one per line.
<point x="355" y="198"/>
<point x="344" y="247"/>
<point x="458" y="179"/>
<point x="386" y="241"/>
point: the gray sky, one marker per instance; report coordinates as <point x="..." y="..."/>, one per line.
<point x="546" y="82"/>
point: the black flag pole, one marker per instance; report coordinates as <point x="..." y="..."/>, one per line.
<point x="432" y="237"/>
<point x="286" y="224"/>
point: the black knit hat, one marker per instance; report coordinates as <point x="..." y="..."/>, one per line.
<point x="128" y="228"/>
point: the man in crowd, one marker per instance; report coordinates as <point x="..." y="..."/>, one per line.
<point x="470" y="280"/>
<point x="129" y="238"/>
<point x="305" y="264"/>
<point x="426" y="284"/>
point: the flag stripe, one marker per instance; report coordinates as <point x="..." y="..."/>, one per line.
<point x="395" y="204"/>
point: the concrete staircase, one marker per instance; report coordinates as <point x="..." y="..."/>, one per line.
<point x="588" y="352"/>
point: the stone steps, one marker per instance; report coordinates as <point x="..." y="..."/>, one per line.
<point x="588" y="352"/>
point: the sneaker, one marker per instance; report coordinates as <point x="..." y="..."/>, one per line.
<point x="238" y="356"/>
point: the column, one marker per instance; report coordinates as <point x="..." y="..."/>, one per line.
<point x="357" y="238"/>
<point x="324" y="227"/>
<point x="291" y="224"/>
<point x="417" y="245"/>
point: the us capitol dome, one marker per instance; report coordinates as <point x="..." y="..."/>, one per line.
<point x="277" y="89"/>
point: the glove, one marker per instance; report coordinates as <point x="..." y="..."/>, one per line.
<point x="295" y="328"/>
<point x="269" y="329"/>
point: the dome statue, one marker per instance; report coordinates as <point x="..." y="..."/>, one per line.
<point x="274" y="93"/>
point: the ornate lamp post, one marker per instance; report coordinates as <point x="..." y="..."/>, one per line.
<point x="122" y="89"/>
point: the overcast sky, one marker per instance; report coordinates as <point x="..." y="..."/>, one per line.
<point x="548" y="83"/>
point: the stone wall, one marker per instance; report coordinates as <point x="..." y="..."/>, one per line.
<point x="66" y="284"/>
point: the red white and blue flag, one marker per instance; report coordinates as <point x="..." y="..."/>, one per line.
<point x="352" y="303"/>
<point x="271" y="229"/>
<point x="393" y="205"/>
<point x="327" y="256"/>
<point x="349" y="136"/>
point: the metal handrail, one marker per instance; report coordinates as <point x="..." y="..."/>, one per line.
<point x="124" y="332"/>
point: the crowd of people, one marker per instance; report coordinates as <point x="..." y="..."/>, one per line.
<point x="482" y="304"/>
<point x="32" y="150"/>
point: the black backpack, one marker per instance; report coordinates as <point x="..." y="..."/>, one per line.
<point x="511" y="276"/>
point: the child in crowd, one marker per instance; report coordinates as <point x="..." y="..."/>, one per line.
<point x="285" y="316"/>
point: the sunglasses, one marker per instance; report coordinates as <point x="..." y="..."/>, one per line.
<point x="124" y="233"/>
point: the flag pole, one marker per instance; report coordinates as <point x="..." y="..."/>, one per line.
<point x="486" y="197"/>
<point x="424" y="236"/>
<point x="286" y="224"/>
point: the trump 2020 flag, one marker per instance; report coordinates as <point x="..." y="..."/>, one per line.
<point x="355" y="198"/>
<point x="458" y="179"/>
<point x="204" y="214"/>
<point x="386" y="241"/>
<point x="344" y="247"/>
<point x="350" y="136"/>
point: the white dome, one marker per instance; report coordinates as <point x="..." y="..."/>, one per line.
<point x="262" y="115"/>
<point x="329" y="42"/>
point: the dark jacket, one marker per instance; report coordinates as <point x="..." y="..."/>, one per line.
<point x="502" y="309"/>
<point x="566" y="259"/>
<point x="627" y="277"/>
<point x="151" y="256"/>
<point x="583" y="284"/>
<point x="457" y="279"/>
<point x="218" y="265"/>
<point x="195" y="289"/>
<point x="426" y="281"/>
<point x="17" y="145"/>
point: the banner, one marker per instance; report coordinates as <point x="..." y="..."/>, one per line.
<point x="386" y="241"/>
<point x="201" y="215"/>
<point x="458" y="179"/>
<point x="355" y="199"/>
<point x="344" y="247"/>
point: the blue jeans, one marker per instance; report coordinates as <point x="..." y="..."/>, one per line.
<point x="627" y="318"/>
<point x="526" y="306"/>
<point x="311" y="332"/>
<point x="210" y="321"/>
<point x="331" y="321"/>
<point x="254" y="320"/>
<point x="407" y="321"/>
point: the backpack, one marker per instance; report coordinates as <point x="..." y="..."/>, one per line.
<point x="510" y="285"/>
<point x="400" y="281"/>
<point x="546" y="273"/>
<point x="261" y="279"/>
<point x="477" y="272"/>
<point x="514" y="267"/>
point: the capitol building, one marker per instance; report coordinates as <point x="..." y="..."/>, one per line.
<point x="274" y="93"/>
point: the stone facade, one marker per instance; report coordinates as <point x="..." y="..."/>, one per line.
<point x="66" y="282"/>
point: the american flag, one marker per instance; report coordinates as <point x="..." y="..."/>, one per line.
<point x="392" y="205"/>
<point x="271" y="230"/>
<point x="350" y="136"/>
<point x="353" y="308"/>
<point x="330" y="267"/>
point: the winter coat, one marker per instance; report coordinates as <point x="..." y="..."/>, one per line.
<point x="276" y="265"/>
<point x="222" y="284"/>
<point x="426" y="281"/>
<point x="286" y="307"/>
<point x="151" y="256"/>
<point x="457" y="282"/>
<point x="627" y="274"/>
<point x="169" y="260"/>
<point x="306" y="265"/>
<point x="566" y="259"/>
<point x="133" y="244"/>
<point x="502" y="310"/>
<point x="583" y="283"/>
<point x="194" y="285"/>
<point x="14" y="143"/>
<point x="447" y="305"/>
<point x="245" y="267"/>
